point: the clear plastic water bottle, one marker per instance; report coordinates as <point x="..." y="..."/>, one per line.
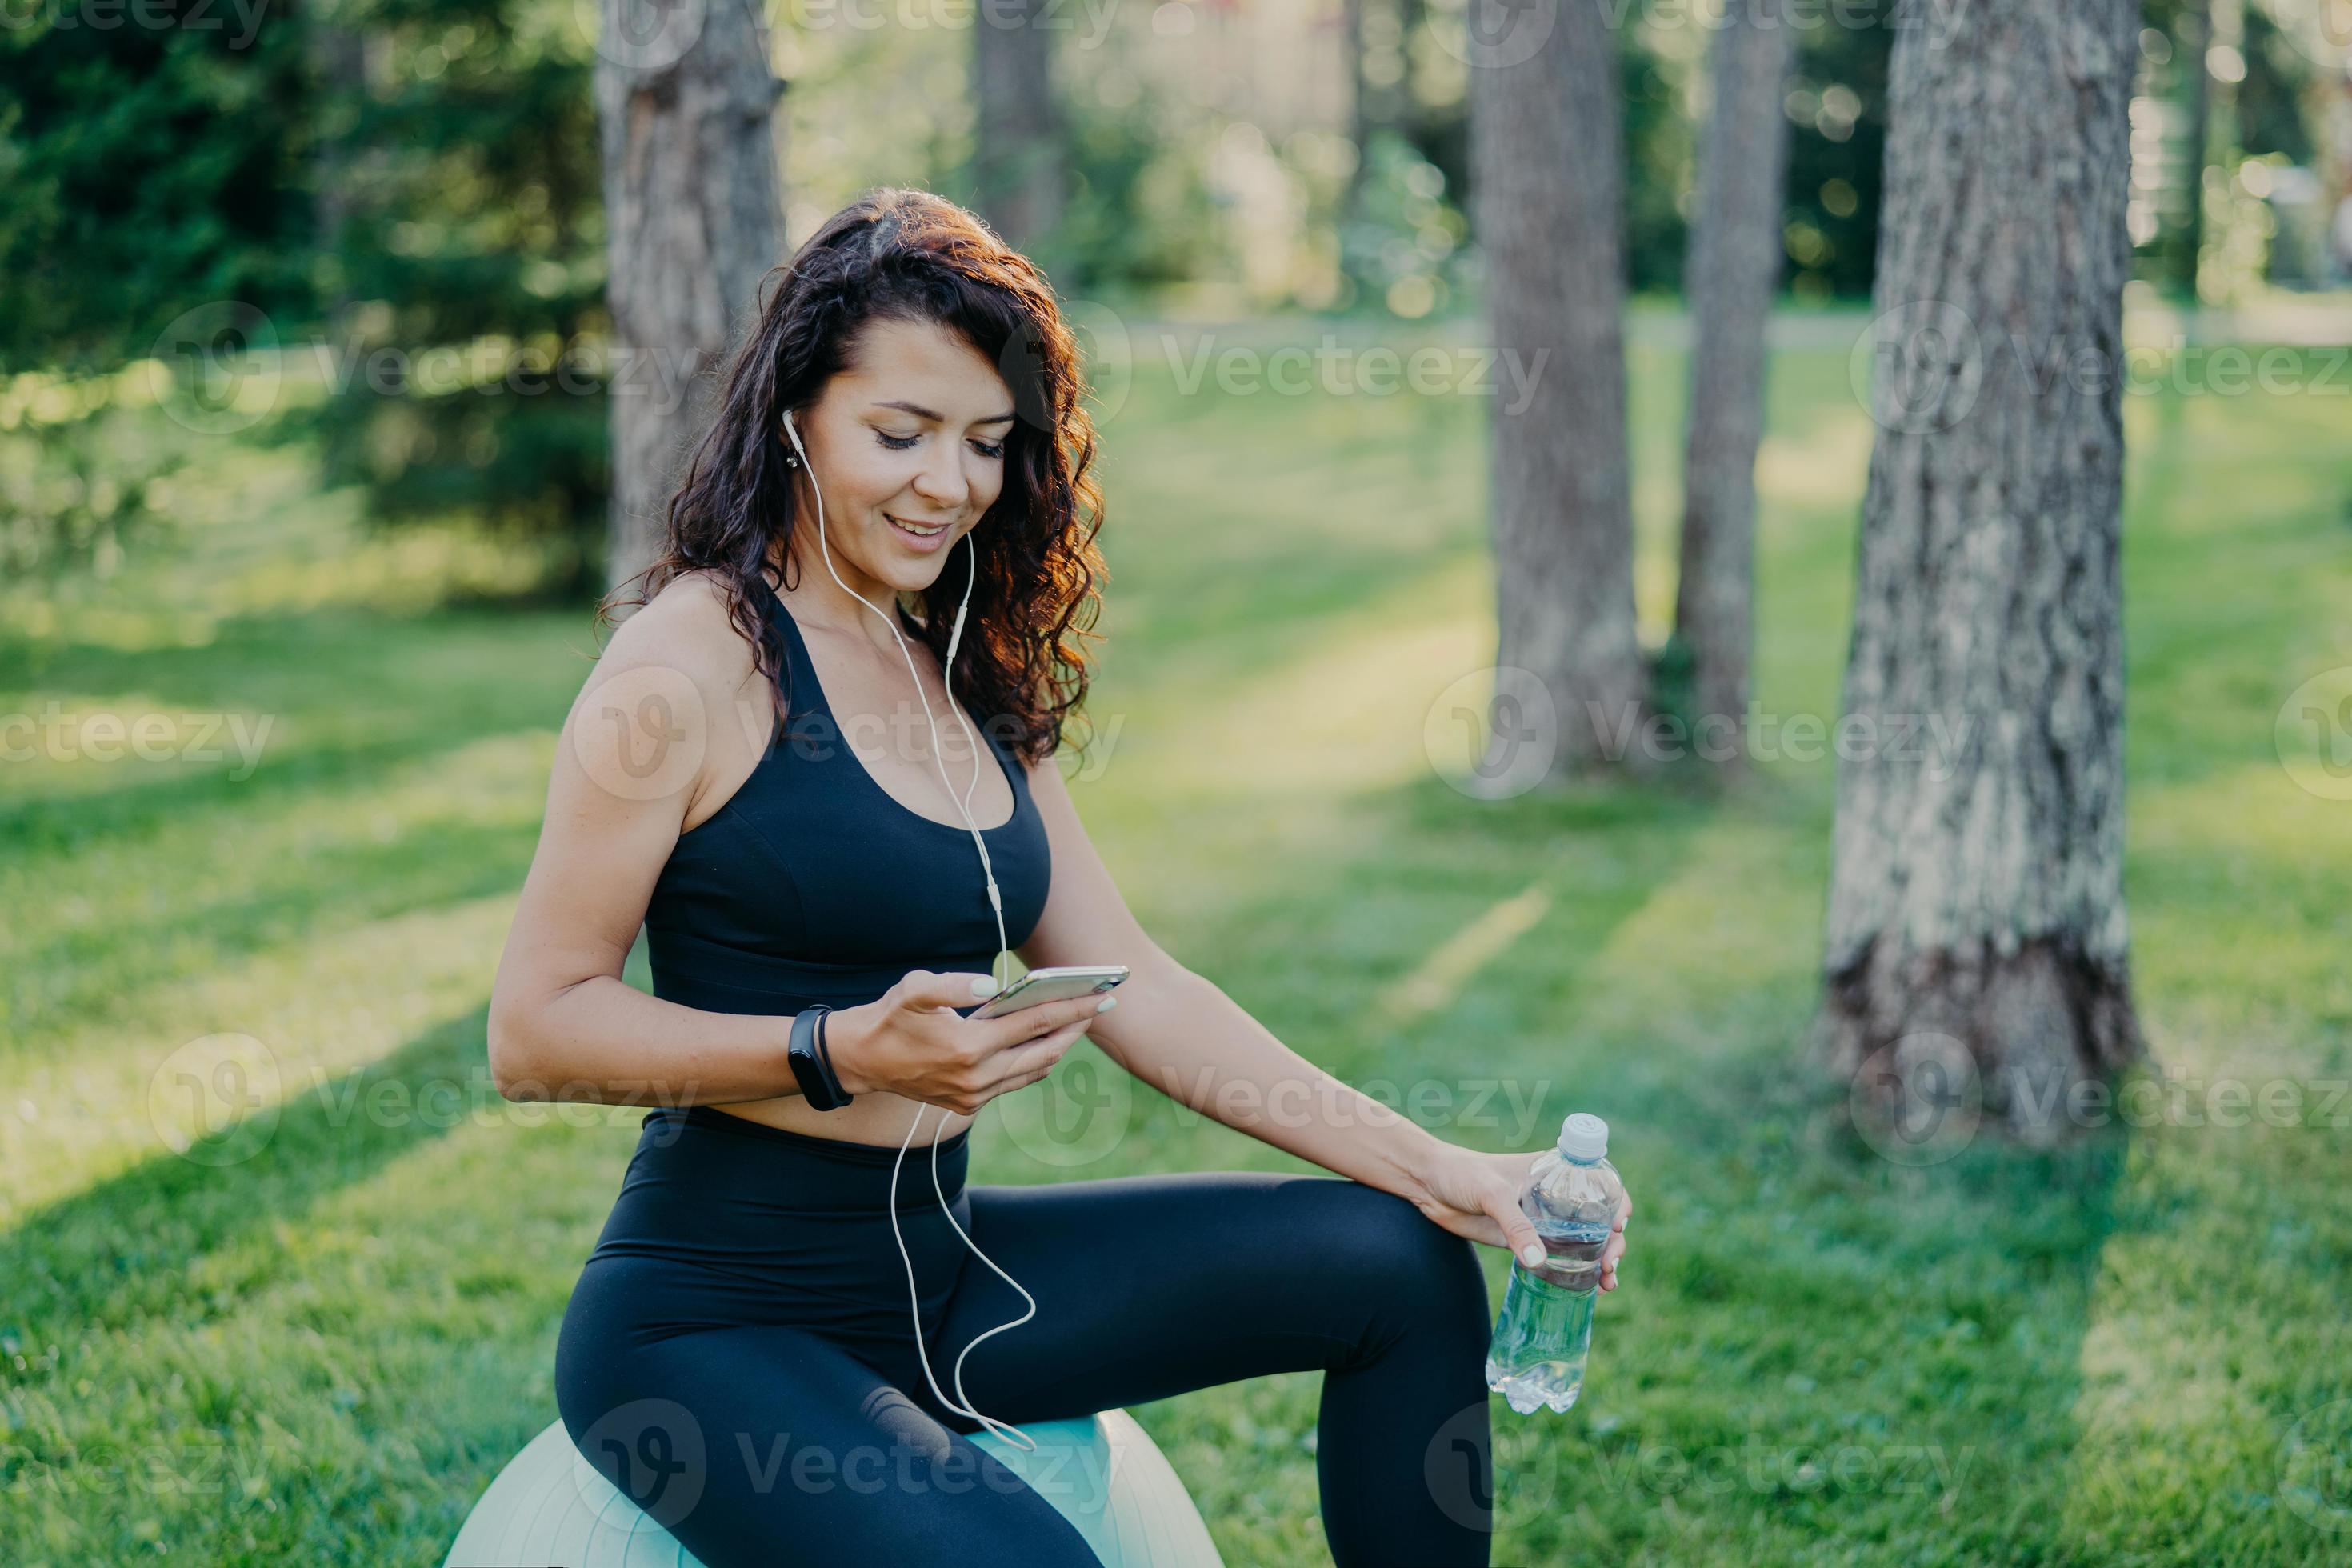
<point x="1573" y="1197"/>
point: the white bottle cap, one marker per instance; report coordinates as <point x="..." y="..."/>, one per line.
<point x="1584" y="1136"/>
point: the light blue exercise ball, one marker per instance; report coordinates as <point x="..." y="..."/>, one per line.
<point x="1103" y="1473"/>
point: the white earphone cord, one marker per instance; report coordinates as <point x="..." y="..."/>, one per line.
<point x="996" y="902"/>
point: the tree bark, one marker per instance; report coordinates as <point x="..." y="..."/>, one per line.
<point x="1733" y="270"/>
<point x="1545" y="160"/>
<point x="693" y="214"/>
<point x="2218" y="143"/>
<point x="2192" y="37"/>
<point x="1977" y="883"/>
<point x="1020" y="146"/>
<point x="1359" y="103"/>
<point x="338" y="59"/>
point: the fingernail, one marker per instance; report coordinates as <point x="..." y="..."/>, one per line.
<point x="1108" y="1004"/>
<point x="984" y="985"/>
<point x="1531" y="1254"/>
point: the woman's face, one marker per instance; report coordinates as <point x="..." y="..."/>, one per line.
<point x="911" y="431"/>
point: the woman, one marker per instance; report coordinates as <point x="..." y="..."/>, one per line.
<point x="740" y="1354"/>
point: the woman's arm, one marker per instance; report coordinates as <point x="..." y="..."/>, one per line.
<point x="654" y="720"/>
<point x="1184" y="1036"/>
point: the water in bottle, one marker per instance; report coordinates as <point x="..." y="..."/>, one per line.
<point x="1574" y="1198"/>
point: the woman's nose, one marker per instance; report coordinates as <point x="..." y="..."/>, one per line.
<point x="943" y="483"/>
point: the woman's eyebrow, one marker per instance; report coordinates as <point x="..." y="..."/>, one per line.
<point x="920" y="412"/>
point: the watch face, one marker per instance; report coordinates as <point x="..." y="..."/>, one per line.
<point x="806" y="1069"/>
<point x="818" y="1086"/>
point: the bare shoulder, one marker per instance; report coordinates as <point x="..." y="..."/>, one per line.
<point x="682" y="647"/>
<point x="688" y="626"/>
<point x="1045" y="775"/>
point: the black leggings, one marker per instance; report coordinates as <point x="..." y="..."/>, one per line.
<point x="738" y="1356"/>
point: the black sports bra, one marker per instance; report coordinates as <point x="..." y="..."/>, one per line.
<point x="815" y="884"/>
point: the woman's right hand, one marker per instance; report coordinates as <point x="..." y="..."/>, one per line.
<point x="910" y="1041"/>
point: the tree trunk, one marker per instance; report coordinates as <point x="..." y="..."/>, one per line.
<point x="693" y="215"/>
<point x="338" y="59"/>
<point x="1359" y="103"/>
<point x="1976" y="899"/>
<point x="1019" y="149"/>
<point x="2216" y="148"/>
<point x="1546" y="163"/>
<point x="2191" y="37"/>
<point x="1734" y="268"/>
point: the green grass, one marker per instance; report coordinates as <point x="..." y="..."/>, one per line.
<point x="315" y="1337"/>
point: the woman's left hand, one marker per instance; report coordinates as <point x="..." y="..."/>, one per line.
<point x="1477" y="1194"/>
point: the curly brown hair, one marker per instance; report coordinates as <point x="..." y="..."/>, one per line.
<point x="907" y="255"/>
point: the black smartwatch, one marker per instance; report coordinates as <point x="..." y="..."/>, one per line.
<point x="811" y="1065"/>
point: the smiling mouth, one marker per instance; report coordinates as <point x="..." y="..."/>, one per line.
<point x="932" y="532"/>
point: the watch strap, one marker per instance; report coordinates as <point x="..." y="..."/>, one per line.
<point x="818" y="1086"/>
<point x="824" y="1056"/>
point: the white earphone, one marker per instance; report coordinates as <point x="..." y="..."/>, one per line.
<point x="996" y="902"/>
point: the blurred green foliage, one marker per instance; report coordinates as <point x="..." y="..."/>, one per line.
<point x="318" y="1350"/>
<point x="147" y="170"/>
<point x="466" y="273"/>
<point x="82" y="474"/>
<point x="410" y="192"/>
<point x="1401" y="247"/>
<point x="1137" y="219"/>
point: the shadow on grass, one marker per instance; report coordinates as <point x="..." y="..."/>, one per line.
<point x="406" y="677"/>
<point x="132" y="1247"/>
<point x="1818" y="1343"/>
<point x="1827" y="1344"/>
<point x="372" y="703"/>
<point x="350" y="885"/>
<point x="1424" y="865"/>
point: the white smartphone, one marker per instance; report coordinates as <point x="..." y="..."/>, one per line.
<point x="1056" y="983"/>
